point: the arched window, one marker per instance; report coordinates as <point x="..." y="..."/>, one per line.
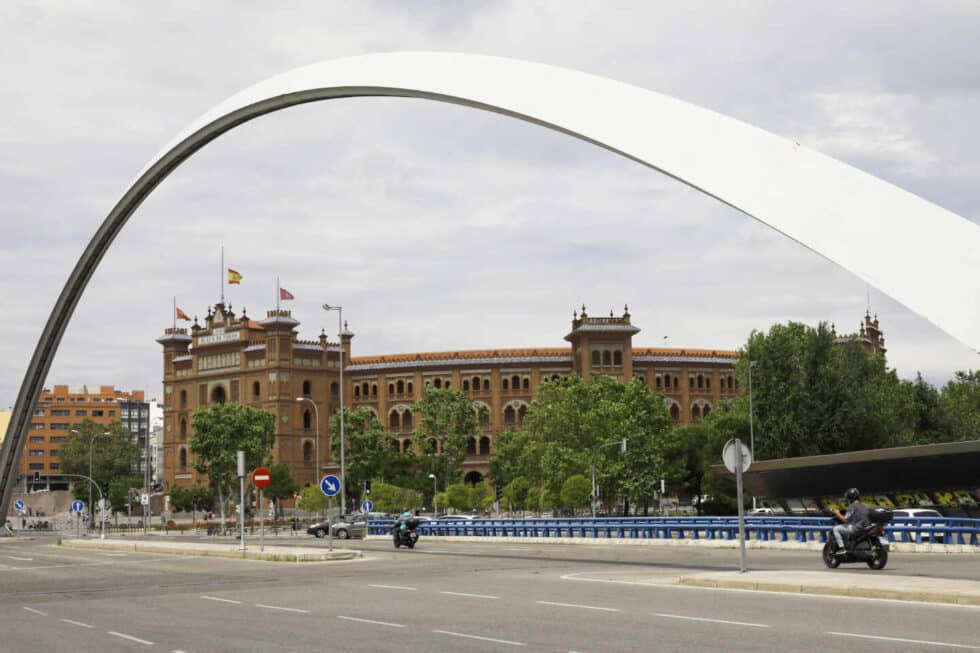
<point x="690" y="382"/>
<point x="307" y="386"/>
<point x="526" y="383"/>
<point x="183" y="429"/>
<point x="486" y="385"/>
<point x="471" y="446"/>
<point x="707" y="382"/>
<point x="183" y="397"/>
<point x="595" y="358"/>
<point x="393" y="420"/>
<point x="675" y="413"/>
<point x="521" y="414"/>
<point x="510" y="415"/>
<point x="334" y="390"/>
<point x="476" y="383"/>
<point x="700" y="381"/>
<point x="696" y="413"/>
<point x="448" y="383"/>
<point x="406" y="445"/>
<point x="307" y="451"/>
<point x="466" y="385"/>
<point x="505" y="384"/>
<point x="555" y="378"/>
<point x="391" y="388"/>
<point x="484" y="417"/>
<point x="396" y="446"/>
<point x="617" y="358"/>
<point x="407" y="419"/>
<point x="183" y="458"/>
<point x="433" y="445"/>
<point x="410" y="388"/>
<point x="706" y="410"/>
<point x="357" y="391"/>
<point x="256" y="389"/>
<point x="307" y="419"/>
<point x="374" y="389"/>
<point x="484" y="446"/>
<point x="658" y="381"/>
<point x="472" y="478"/>
<point x="218" y="395"/>
<point x="606" y="357"/>
<point x="667" y="381"/>
<point x="677" y="382"/>
<point x="400" y="387"/>
<point x="515" y="382"/>
<point x="437" y="383"/>
<point x="364" y="389"/>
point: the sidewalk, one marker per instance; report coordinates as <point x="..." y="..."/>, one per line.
<point x="220" y="550"/>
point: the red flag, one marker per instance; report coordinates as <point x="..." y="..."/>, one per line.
<point x="285" y="294"/>
<point x="181" y="315"/>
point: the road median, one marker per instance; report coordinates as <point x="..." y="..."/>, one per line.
<point x="219" y="550"/>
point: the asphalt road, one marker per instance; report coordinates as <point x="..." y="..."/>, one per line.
<point x="441" y="596"/>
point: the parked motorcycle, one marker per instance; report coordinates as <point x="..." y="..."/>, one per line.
<point x="868" y="545"/>
<point x="405" y="536"/>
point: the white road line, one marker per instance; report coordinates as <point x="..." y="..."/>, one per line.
<point x="576" y="605"/>
<point x="714" y="621"/>
<point x="472" y="596"/>
<point x="130" y="638"/>
<point x="483" y="639"/>
<point x="21" y="559"/>
<point x="907" y="641"/>
<point x="371" y="621"/>
<point x="277" y="607"/>
<point x="76" y="623"/>
<point x="218" y="598"/>
<point x="43" y="614"/>
<point x="395" y="587"/>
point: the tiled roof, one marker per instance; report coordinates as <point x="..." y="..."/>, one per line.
<point x="686" y="353"/>
<point x="450" y="356"/>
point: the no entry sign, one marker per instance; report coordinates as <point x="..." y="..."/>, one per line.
<point x="261" y="477"/>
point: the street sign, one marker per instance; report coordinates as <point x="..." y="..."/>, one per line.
<point x="261" y="477"/>
<point x="77" y="506"/>
<point x="729" y="453"/>
<point x="367" y="505"/>
<point x="18" y="505"/>
<point x="145" y="499"/>
<point x="330" y="485"/>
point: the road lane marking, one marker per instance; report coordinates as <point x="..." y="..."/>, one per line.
<point x="218" y="598"/>
<point x="472" y="596"/>
<point x="76" y="623"/>
<point x="714" y="621"/>
<point x="43" y="614"/>
<point x="130" y="638"/>
<point x="907" y="641"/>
<point x="576" y="605"/>
<point x="21" y="559"/>
<point x="394" y="587"/>
<point x="483" y="639"/>
<point x="277" y="607"/>
<point x="371" y="621"/>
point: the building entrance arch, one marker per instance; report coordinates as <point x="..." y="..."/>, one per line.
<point x="905" y="246"/>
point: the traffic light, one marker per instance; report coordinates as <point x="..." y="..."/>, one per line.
<point x="367" y="487"/>
<point x="498" y="492"/>
<point x="37" y="477"/>
<point x="105" y="489"/>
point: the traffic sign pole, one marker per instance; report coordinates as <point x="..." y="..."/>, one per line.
<point x="261" y="523"/>
<point x="741" y="508"/>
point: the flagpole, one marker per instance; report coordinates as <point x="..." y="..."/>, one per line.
<point x="175" y="312"/>
<point x="277" y="294"/>
<point x="221" y="275"/>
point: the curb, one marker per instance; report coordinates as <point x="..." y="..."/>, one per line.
<point x="951" y="598"/>
<point x="278" y="554"/>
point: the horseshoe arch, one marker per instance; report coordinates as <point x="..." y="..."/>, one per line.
<point x="906" y="247"/>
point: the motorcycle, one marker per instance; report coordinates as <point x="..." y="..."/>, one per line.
<point x="405" y="536"/>
<point x="868" y="545"/>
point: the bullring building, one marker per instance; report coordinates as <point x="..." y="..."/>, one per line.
<point x="264" y="363"/>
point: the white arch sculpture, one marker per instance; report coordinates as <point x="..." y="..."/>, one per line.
<point x="916" y="252"/>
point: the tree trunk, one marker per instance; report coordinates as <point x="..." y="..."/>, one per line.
<point x="221" y="506"/>
<point x="646" y="509"/>
<point x="626" y="507"/>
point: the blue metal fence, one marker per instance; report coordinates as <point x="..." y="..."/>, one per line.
<point x="776" y="529"/>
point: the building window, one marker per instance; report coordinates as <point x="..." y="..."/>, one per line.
<point x="407" y="419"/>
<point x="705" y="410"/>
<point x="38" y="412"/>
<point x="510" y="415"/>
<point x="183" y="429"/>
<point x="505" y="384"/>
<point x="393" y="420"/>
<point x="675" y="413"/>
<point x="526" y="383"/>
<point x="374" y="390"/>
<point x="54" y="465"/>
<point x="466" y="385"/>
<point x="60" y="413"/>
<point x="606" y="358"/>
<point x="617" y="358"/>
<point x="183" y="397"/>
<point x="183" y="458"/>
<point x="256" y="389"/>
<point x="471" y="446"/>
<point x="35" y="439"/>
<point x="334" y="390"/>
<point x="515" y="382"/>
<point x="37" y="426"/>
<point x="696" y="413"/>
<point x="357" y="391"/>
<point x="36" y="466"/>
<point x="59" y="439"/>
<point x="437" y="383"/>
<point x="60" y="426"/>
<point x="307" y="419"/>
<point x="595" y="358"/>
<point x="391" y="388"/>
<point x="484" y="446"/>
<point x="307" y="451"/>
<point x="410" y="388"/>
<point x="218" y="395"/>
<point x="36" y="453"/>
<point x="306" y="388"/>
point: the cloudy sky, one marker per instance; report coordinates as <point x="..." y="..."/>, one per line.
<point x="439" y="227"/>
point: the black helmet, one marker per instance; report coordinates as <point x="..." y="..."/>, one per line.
<point x="852" y="494"/>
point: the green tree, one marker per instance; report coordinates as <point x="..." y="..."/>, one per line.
<point x="371" y="451"/>
<point x="311" y="499"/>
<point x="282" y="486"/>
<point x="448" y="418"/>
<point x="575" y="492"/>
<point x="115" y="458"/>
<point x="687" y="460"/>
<point x="516" y="493"/>
<point x="458" y="497"/>
<point x="392" y="498"/>
<point x="221" y="430"/>
<point x="960" y="405"/>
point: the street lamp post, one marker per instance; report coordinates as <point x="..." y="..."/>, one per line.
<point x="91" y="444"/>
<point x="435" y="504"/>
<point x="343" y="451"/>
<point x="751" y="421"/>
<point x="595" y="461"/>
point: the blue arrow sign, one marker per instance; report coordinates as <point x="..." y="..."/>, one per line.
<point x="330" y="485"/>
<point x="367" y="506"/>
<point x="77" y="506"/>
<point x="18" y="505"/>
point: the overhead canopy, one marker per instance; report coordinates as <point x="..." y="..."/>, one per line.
<point x="873" y="471"/>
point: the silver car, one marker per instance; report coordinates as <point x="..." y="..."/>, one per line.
<point x="342" y="528"/>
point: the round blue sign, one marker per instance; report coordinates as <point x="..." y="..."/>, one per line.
<point x="330" y="485"/>
<point x="367" y="506"/>
<point x="18" y="505"/>
<point x="77" y="506"/>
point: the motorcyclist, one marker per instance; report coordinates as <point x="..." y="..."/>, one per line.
<point x="403" y="518"/>
<point x="853" y="521"/>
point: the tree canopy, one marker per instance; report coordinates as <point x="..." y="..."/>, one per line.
<point x="445" y="417"/>
<point x="115" y="459"/>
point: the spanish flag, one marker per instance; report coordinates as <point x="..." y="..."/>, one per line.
<point x="234" y="277"/>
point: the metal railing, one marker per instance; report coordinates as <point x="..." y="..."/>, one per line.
<point x="775" y="529"/>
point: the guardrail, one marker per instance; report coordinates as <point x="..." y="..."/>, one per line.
<point x="777" y="529"/>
